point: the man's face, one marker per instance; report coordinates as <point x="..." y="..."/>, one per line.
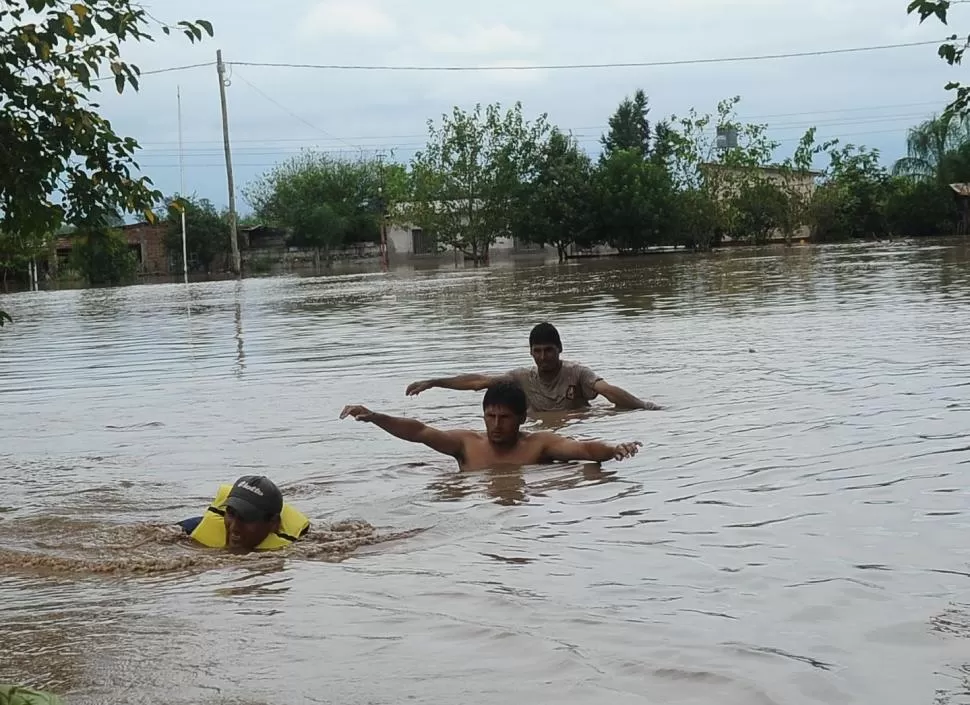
<point x="502" y="425"/>
<point x="245" y="536"/>
<point x="546" y="357"/>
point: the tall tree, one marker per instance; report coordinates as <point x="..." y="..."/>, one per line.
<point x="928" y="145"/>
<point x="629" y="127"/>
<point x="556" y="207"/>
<point x="635" y="202"/>
<point x="206" y="231"/>
<point x="103" y="257"/>
<point x="61" y="161"/>
<point x="467" y="178"/>
<point x="323" y="203"/>
<point x="852" y="202"/>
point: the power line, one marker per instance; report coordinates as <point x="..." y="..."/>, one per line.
<point x="544" y="67"/>
<point x="152" y="72"/>
<point x="549" y="67"/>
<point x="590" y="133"/>
<point x="156" y="146"/>
<point x="406" y="148"/>
<point x="294" y="115"/>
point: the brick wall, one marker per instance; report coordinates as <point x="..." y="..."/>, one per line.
<point x="151" y="238"/>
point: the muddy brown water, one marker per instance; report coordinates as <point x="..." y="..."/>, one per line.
<point x="794" y="530"/>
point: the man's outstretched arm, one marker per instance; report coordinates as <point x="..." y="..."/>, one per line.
<point x="447" y="442"/>
<point x="466" y="383"/>
<point x="621" y="398"/>
<point x="565" y="449"/>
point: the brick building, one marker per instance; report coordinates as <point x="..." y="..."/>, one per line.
<point x="147" y="241"/>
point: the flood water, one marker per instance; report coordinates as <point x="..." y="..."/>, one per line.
<point x="795" y="529"/>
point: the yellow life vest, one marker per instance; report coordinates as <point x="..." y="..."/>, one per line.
<point x="211" y="531"/>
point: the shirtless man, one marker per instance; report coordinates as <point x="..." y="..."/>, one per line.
<point x="552" y="385"/>
<point x="502" y="443"/>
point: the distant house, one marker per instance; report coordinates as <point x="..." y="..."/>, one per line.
<point x="801" y="182"/>
<point x="261" y="237"/>
<point x="406" y="241"/>
<point x="145" y="240"/>
<point x="729" y="178"/>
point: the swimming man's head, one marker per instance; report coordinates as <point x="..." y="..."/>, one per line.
<point x="252" y="512"/>
<point x="505" y="406"/>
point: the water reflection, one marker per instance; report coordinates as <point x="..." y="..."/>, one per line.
<point x="511" y="486"/>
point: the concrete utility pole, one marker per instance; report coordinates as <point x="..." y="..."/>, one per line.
<point x="221" y="68"/>
<point x="382" y="199"/>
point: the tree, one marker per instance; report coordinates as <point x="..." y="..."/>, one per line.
<point x="629" y="127"/>
<point x="103" y="257"/>
<point x="697" y="163"/>
<point x="556" y="207"/>
<point x="467" y="179"/>
<point x="920" y="209"/>
<point x="60" y="161"/>
<point x="206" y="231"/>
<point x="17" y="250"/>
<point x="322" y="202"/>
<point x="636" y="202"/>
<point x="928" y="146"/>
<point x="852" y="202"/>
<point x="796" y="179"/>
<point x="951" y="51"/>
<point x="696" y="220"/>
<point x="759" y="208"/>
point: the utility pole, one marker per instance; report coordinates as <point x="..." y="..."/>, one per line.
<point x="221" y="68"/>
<point x="383" y="214"/>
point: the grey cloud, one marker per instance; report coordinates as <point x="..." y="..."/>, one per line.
<point x="389" y="109"/>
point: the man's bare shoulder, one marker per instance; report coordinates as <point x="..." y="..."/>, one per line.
<point x="541" y="437"/>
<point x="466" y="434"/>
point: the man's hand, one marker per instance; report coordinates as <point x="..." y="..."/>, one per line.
<point x="626" y="450"/>
<point x="360" y="413"/>
<point x="415" y="388"/>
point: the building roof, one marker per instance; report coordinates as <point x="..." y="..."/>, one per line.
<point x="769" y="167"/>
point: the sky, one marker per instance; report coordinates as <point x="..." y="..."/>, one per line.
<point x="868" y="98"/>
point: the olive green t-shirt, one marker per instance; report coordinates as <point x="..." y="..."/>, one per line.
<point x="571" y="389"/>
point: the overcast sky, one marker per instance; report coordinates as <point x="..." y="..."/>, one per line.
<point x="869" y="98"/>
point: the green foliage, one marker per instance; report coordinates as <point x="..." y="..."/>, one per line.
<point x="853" y="201"/>
<point x="61" y="161"/>
<point x="103" y="257"/>
<point x="636" y="203"/>
<point x="17" y="250"/>
<point x="15" y="695"/>
<point x="932" y="148"/>
<point x="629" y="127"/>
<point x="921" y="209"/>
<point x="467" y="179"/>
<point x="323" y="203"/>
<point x="556" y="207"/>
<point x="206" y="231"/>
<point x="951" y="51"/>
<point x="760" y="208"/>
<point x="697" y="227"/>
<point x="692" y="145"/>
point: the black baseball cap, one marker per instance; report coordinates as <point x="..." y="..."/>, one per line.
<point x="255" y="498"/>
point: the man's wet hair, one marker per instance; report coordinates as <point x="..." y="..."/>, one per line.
<point x="507" y="394"/>
<point x="545" y="334"/>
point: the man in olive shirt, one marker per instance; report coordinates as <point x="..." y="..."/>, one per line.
<point x="552" y="385"/>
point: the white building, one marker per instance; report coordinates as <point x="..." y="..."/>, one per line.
<point x="406" y="241"/>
